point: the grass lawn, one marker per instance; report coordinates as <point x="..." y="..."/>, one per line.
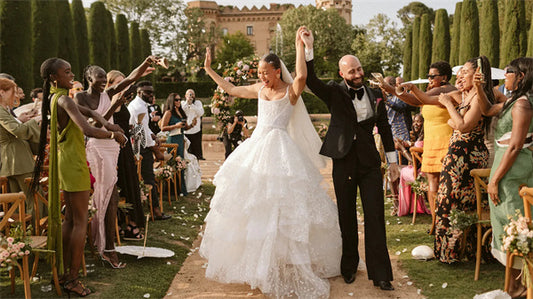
<point x="430" y="276"/>
<point x="141" y="276"/>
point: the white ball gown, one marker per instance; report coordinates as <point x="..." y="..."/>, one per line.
<point x="272" y="224"/>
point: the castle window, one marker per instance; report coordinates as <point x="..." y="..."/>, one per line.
<point x="249" y="30"/>
<point x="224" y="31"/>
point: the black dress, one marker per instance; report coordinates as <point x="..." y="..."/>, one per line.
<point x="128" y="182"/>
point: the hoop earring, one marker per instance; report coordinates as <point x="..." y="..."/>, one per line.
<point x="55" y="83"/>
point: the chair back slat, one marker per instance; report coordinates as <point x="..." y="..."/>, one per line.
<point x="11" y="203"/>
<point x="527" y="196"/>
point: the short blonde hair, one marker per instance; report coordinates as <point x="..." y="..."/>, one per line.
<point x="112" y="76"/>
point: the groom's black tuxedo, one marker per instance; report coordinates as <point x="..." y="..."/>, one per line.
<point x="356" y="164"/>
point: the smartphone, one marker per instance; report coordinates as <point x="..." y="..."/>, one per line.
<point x="479" y="64"/>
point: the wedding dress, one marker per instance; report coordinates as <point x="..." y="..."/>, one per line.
<point x="272" y="224"/>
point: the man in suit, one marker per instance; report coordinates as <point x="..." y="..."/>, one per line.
<point x="355" y="110"/>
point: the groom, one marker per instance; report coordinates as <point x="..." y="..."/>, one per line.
<point x="355" y="110"/>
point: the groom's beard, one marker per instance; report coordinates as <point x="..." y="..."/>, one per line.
<point x="353" y="84"/>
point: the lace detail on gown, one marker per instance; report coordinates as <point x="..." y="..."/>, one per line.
<point x="272" y="224"/>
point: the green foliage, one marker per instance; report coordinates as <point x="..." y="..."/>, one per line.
<point x="67" y="42"/>
<point x="469" y="40"/>
<point x="441" y="37"/>
<point x="407" y="54"/>
<point x="112" y="40"/>
<point x="234" y="47"/>
<point x="515" y="35"/>
<point x="415" y="53"/>
<point x="98" y="36"/>
<point x="135" y="44"/>
<point x="45" y="34"/>
<point x="489" y="31"/>
<point x="123" y="44"/>
<point x="380" y="48"/>
<point x="16" y="43"/>
<point x="202" y="89"/>
<point x="146" y="46"/>
<point x="81" y="36"/>
<point x="408" y="13"/>
<point x="333" y="37"/>
<point x="456" y="35"/>
<point x="199" y="34"/>
<point x="424" y="50"/>
<point x="530" y="41"/>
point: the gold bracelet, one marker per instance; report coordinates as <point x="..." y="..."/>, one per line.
<point x="112" y="135"/>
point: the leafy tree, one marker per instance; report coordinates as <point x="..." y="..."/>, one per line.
<point x="67" y="42"/>
<point x="382" y="43"/>
<point x="135" y="44"/>
<point x="530" y="41"/>
<point x="407" y="54"/>
<point x="146" y="46"/>
<point x="333" y="37"/>
<point x="123" y="44"/>
<point x="81" y="36"/>
<point x="98" y="35"/>
<point x="441" y="37"/>
<point x="424" y="45"/>
<point x="234" y="47"/>
<point x="469" y="40"/>
<point x="456" y="35"/>
<point x="16" y="42"/>
<point x="489" y="31"/>
<point x="415" y="53"/>
<point x="408" y="13"/>
<point x="515" y="36"/>
<point x="199" y="34"/>
<point x="112" y="40"/>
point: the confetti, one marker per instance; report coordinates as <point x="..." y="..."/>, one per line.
<point x="147" y="295"/>
<point x="398" y="253"/>
<point x="350" y="294"/>
<point x="409" y="283"/>
<point x="444" y="285"/>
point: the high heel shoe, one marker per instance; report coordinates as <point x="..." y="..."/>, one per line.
<point x="133" y="233"/>
<point x="118" y="265"/>
<point x="75" y="286"/>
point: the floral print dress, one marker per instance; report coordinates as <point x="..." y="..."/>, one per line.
<point x="466" y="151"/>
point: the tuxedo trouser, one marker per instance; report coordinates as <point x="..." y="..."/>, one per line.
<point x="196" y="144"/>
<point x="147" y="172"/>
<point x="348" y="175"/>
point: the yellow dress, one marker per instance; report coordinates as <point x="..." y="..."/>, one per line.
<point x="437" y="135"/>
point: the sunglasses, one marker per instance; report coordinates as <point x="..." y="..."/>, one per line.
<point x="432" y="76"/>
<point x="511" y="71"/>
<point x="177" y="100"/>
<point x="148" y="91"/>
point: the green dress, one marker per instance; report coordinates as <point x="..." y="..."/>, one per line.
<point x="521" y="172"/>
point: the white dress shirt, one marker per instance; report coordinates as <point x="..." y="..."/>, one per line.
<point x="136" y="107"/>
<point x="194" y="110"/>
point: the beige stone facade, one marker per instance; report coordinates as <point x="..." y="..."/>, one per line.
<point x="258" y="24"/>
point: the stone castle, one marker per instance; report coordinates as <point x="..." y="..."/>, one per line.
<point x="258" y="24"/>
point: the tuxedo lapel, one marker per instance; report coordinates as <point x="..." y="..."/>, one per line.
<point x="372" y="99"/>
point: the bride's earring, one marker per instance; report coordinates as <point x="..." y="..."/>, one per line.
<point x="277" y="76"/>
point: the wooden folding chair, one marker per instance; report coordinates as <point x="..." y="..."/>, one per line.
<point x="482" y="214"/>
<point x="416" y="157"/>
<point x="527" y="196"/>
<point x="138" y="160"/>
<point x="15" y="202"/>
<point x="175" y="176"/>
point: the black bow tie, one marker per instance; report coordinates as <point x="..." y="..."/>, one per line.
<point x="359" y="92"/>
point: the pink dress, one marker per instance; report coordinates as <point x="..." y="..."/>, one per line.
<point x="406" y="196"/>
<point x="102" y="155"/>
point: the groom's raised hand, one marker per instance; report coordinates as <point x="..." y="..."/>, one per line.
<point x="307" y="37"/>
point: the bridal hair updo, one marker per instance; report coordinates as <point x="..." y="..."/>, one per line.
<point x="274" y="61"/>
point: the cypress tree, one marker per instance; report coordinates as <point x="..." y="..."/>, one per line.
<point x="67" y="42"/>
<point x="135" y="45"/>
<point x="469" y="40"/>
<point x="81" y="36"/>
<point x="98" y="35"/>
<point x="515" y="34"/>
<point x="489" y="31"/>
<point x="441" y="37"/>
<point x="456" y="34"/>
<point x="407" y="54"/>
<point x="424" y="45"/>
<point x="414" y="56"/>
<point x="112" y="41"/>
<point x="146" y="47"/>
<point x="16" y="43"/>
<point x="45" y="34"/>
<point x="123" y="44"/>
<point x="530" y="41"/>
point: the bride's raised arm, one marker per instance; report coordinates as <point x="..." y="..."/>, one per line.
<point x="247" y="92"/>
<point x="301" y="69"/>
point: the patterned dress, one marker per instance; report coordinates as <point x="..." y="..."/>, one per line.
<point x="467" y="151"/>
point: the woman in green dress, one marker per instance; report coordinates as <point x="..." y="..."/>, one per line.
<point x="513" y="161"/>
<point x="68" y="169"/>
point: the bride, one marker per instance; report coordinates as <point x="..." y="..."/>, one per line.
<point x="272" y="224"/>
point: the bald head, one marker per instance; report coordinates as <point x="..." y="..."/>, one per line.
<point x="351" y="71"/>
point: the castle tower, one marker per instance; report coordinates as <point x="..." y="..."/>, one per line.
<point x="344" y="7"/>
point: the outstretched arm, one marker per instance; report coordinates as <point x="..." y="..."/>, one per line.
<point x="301" y="70"/>
<point x="142" y="70"/>
<point x="247" y="92"/>
<point x="486" y="107"/>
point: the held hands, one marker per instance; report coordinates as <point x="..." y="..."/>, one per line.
<point x="113" y="127"/>
<point x="306" y="36"/>
<point x="120" y="138"/>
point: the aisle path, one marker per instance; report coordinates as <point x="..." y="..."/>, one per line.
<point x="190" y="282"/>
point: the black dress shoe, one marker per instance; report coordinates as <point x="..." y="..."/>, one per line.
<point x="349" y="278"/>
<point x="384" y="285"/>
<point x="162" y="217"/>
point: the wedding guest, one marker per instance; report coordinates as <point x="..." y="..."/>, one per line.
<point x="76" y="87"/>
<point x="102" y="156"/>
<point x="68" y="169"/>
<point x="194" y="110"/>
<point x="513" y="160"/>
<point x="235" y="131"/>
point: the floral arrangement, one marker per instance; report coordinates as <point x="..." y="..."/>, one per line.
<point x="164" y="172"/>
<point x="518" y="237"/>
<point x="322" y="129"/>
<point x="238" y="73"/>
<point x="461" y="220"/>
<point x="419" y="185"/>
<point x="178" y="164"/>
<point x="144" y="191"/>
<point x="14" y="247"/>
